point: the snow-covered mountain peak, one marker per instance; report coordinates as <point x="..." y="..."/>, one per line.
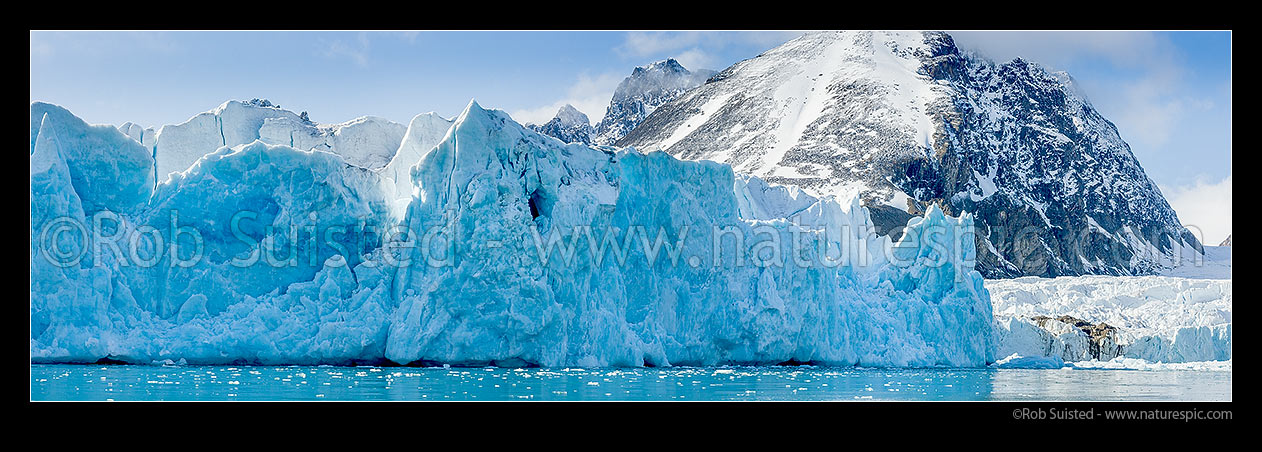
<point x="667" y="65"/>
<point x="798" y="87"/>
<point x="905" y="120"/>
<point x="647" y="88"/>
<point x="571" y="117"/>
<point x="657" y="79"/>
<point x="569" y="125"/>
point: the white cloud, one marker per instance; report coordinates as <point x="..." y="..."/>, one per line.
<point x="1204" y="207"/>
<point x="589" y="94"/>
<point x="1060" y="48"/>
<point x="103" y="44"/>
<point x="1139" y="80"/>
<point x="696" y="58"/>
<point x="695" y="49"/>
<point x="1147" y="111"/>
<point x="1143" y="104"/>
<point x="409" y="36"/>
<point x="356" y="51"/>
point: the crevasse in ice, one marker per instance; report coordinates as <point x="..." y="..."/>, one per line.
<point x="511" y="248"/>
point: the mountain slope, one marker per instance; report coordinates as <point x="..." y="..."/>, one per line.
<point x="905" y="120"/>
<point x="569" y="125"/>
<point x="638" y="95"/>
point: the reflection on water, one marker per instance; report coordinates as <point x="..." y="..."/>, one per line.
<point x="95" y="382"/>
<point x="1100" y="384"/>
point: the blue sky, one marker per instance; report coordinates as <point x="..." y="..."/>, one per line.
<point x="1169" y="93"/>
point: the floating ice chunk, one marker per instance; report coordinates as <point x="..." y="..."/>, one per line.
<point x="1123" y="363"/>
<point x="1016" y="361"/>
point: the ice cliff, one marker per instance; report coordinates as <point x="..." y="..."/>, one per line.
<point x="510" y="248"/>
<point x="368" y="142"/>
<point x="500" y="301"/>
<point x="1153" y="318"/>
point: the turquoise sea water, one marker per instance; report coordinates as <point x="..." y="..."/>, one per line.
<point x="98" y="382"/>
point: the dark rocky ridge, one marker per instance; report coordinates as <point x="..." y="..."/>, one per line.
<point x="1102" y="343"/>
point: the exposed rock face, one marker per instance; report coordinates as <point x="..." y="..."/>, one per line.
<point x="569" y="125"/>
<point x="647" y="88"/>
<point x="905" y="120"/>
<point x="1101" y="338"/>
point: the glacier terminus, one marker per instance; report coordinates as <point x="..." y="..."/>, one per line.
<point x="839" y="200"/>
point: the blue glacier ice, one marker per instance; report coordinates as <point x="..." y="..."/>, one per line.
<point x="107" y="169"/>
<point x="511" y="248"/>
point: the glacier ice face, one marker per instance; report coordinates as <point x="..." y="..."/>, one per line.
<point x="367" y="142"/>
<point x="517" y="249"/>
<point x="230" y="124"/>
<point x="147" y="137"/>
<point x="295" y="303"/>
<point x="501" y="301"/>
<point x="1154" y="318"/>
<point x="108" y="170"/>
<point x="423" y="133"/>
<point x="297" y="194"/>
